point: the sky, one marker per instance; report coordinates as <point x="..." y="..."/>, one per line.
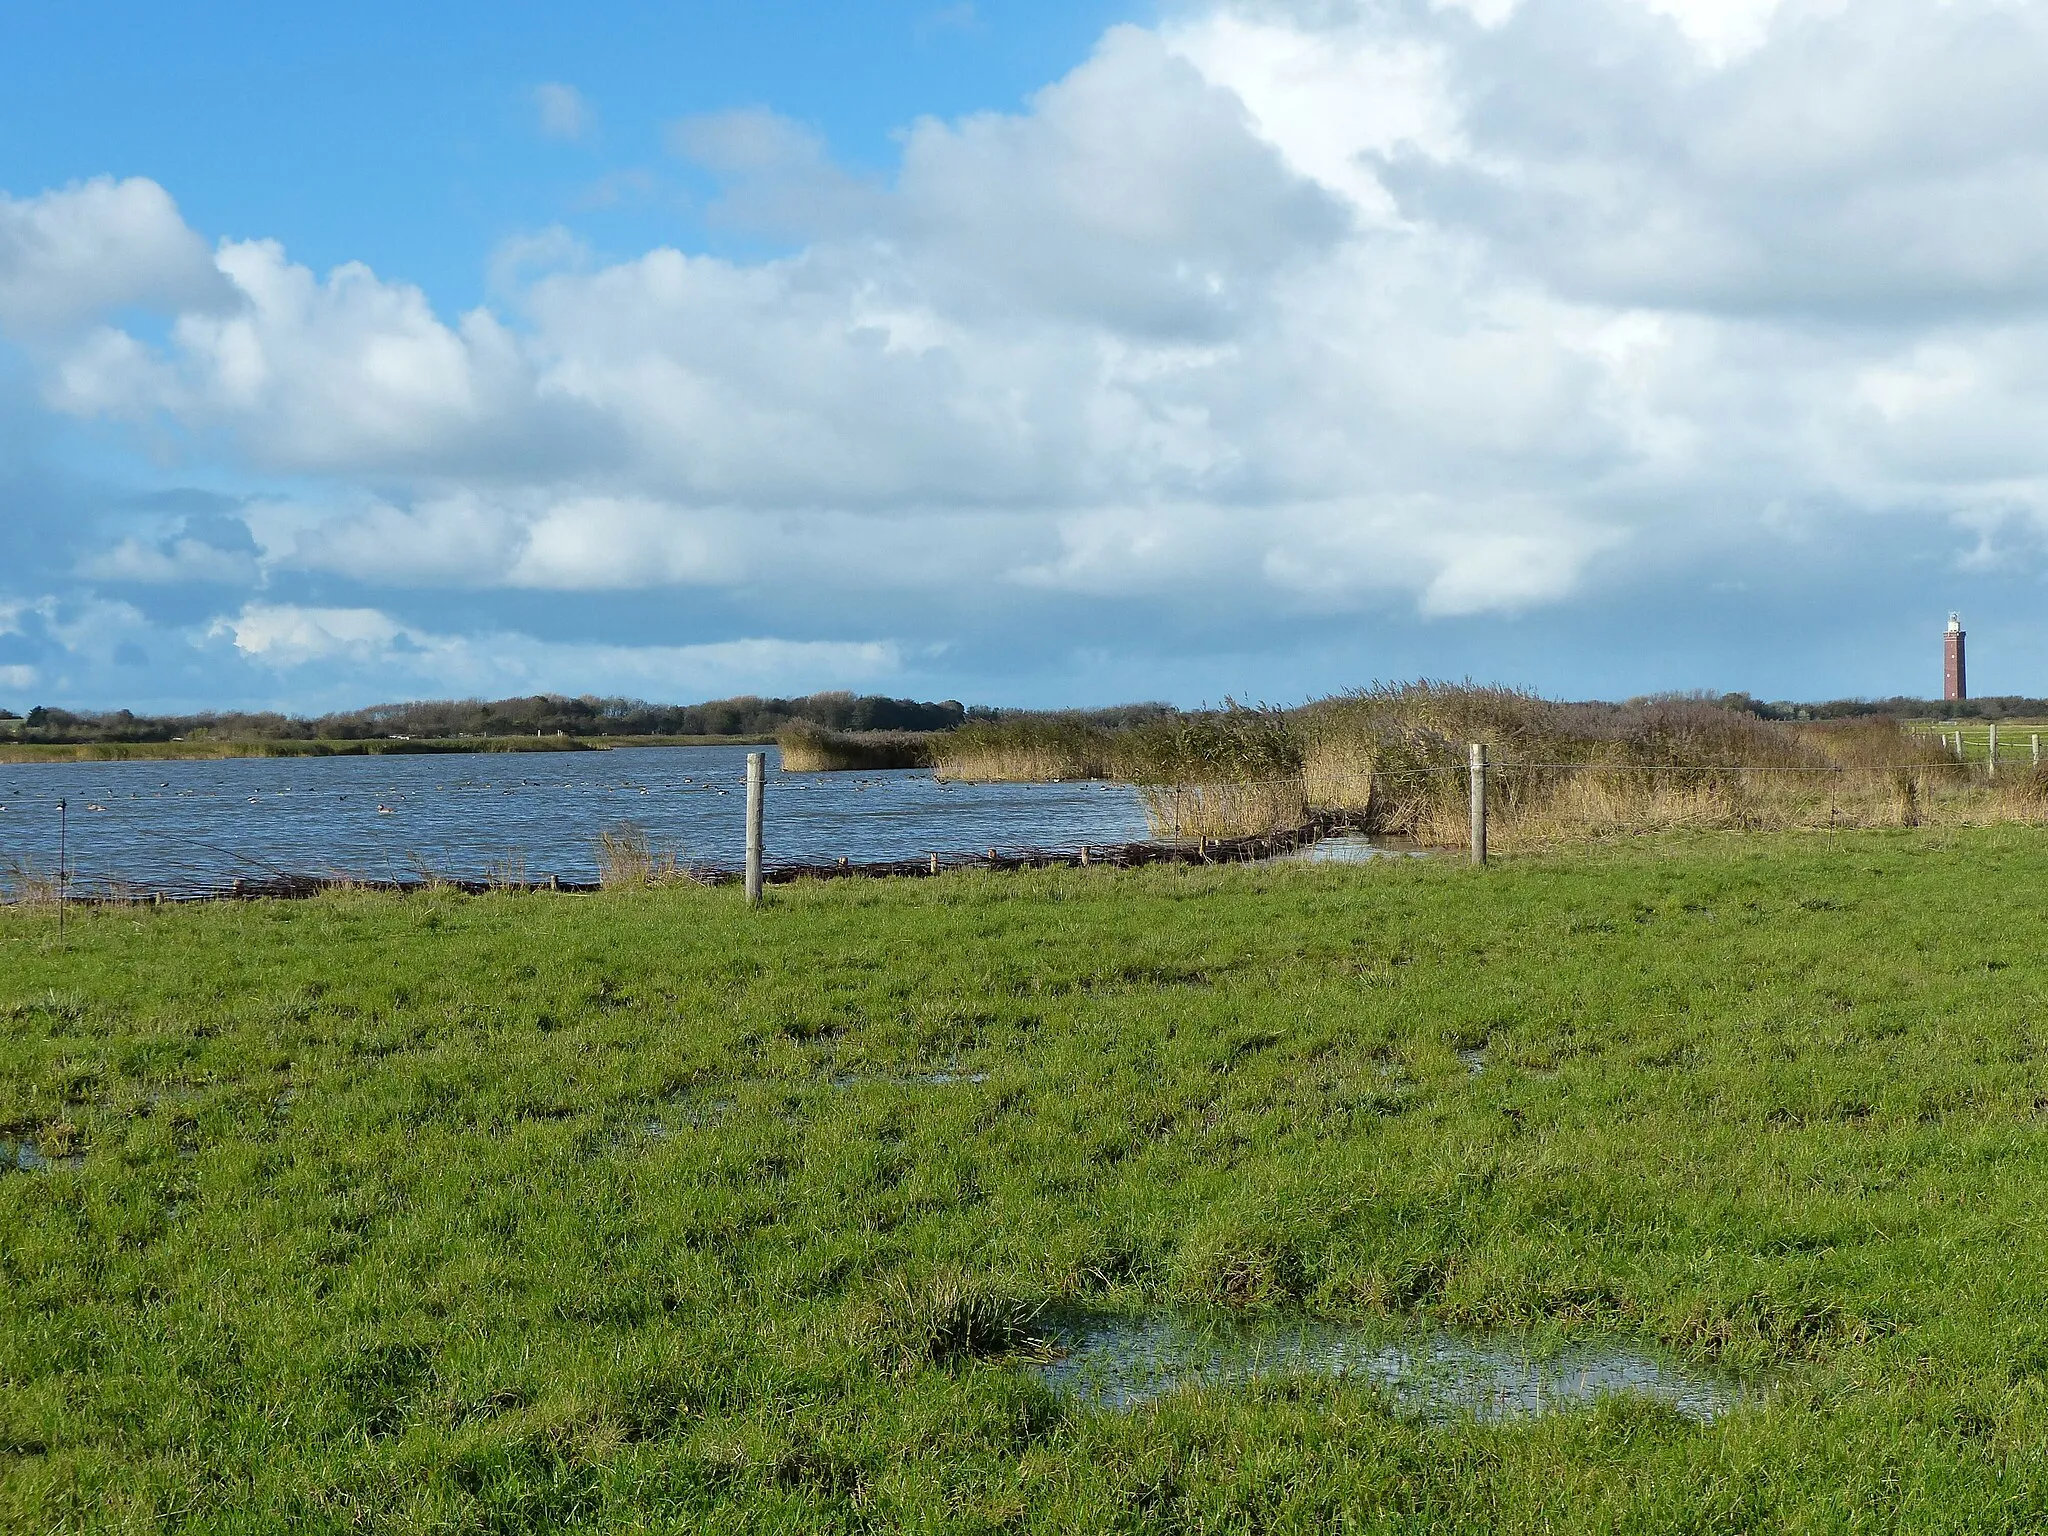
<point x="1060" y="353"/>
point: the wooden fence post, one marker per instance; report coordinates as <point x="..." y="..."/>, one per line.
<point x="1478" y="777"/>
<point x="2037" y="750"/>
<point x="757" y="774"/>
<point x="1994" y="750"/>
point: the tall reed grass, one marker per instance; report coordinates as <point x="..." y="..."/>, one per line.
<point x="807" y="748"/>
<point x="1391" y="759"/>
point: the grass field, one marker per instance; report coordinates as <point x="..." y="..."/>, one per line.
<point x="2015" y="744"/>
<point x="643" y="1212"/>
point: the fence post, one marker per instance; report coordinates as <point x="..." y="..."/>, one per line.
<point x="2037" y="750"/>
<point x="757" y="774"/>
<point x="63" y="853"/>
<point x="1478" y="776"/>
<point x="1994" y="750"/>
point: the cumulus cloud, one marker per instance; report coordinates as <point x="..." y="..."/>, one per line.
<point x="1462" y="308"/>
<point x="71" y="255"/>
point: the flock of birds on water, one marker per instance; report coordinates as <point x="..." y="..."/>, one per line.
<point x="396" y="800"/>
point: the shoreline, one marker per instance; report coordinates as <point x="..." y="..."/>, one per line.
<point x="25" y="753"/>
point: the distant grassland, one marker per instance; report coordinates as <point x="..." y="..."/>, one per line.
<point x="2015" y="738"/>
<point x="639" y="1211"/>
<point x="123" y="751"/>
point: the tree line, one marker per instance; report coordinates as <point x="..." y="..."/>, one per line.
<point x="539" y="714"/>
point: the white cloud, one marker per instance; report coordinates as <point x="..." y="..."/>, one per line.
<point x="176" y="560"/>
<point x="289" y="635"/>
<point x="68" y="256"/>
<point x="375" y="645"/>
<point x="562" y="111"/>
<point x="1301" y="307"/>
<point x="17" y="676"/>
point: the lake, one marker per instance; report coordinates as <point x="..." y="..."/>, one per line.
<point x="187" y="826"/>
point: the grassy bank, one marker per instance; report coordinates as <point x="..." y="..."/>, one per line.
<point x="638" y="1211"/>
<point x="206" y="751"/>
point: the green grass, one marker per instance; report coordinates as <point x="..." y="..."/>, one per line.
<point x="375" y="1229"/>
<point x="2014" y="745"/>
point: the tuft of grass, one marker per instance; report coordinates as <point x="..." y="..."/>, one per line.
<point x="628" y="859"/>
<point x="953" y="1316"/>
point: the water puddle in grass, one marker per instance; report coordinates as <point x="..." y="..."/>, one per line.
<point x="1491" y="1377"/>
<point x="1354" y="848"/>
<point x="1474" y="1059"/>
<point x="943" y="1078"/>
<point x="687" y="1115"/>
<point x="28" y="1158"/>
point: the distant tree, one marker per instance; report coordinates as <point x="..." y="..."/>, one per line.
<point x="37" y="718"/>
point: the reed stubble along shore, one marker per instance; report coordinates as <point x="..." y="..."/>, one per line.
<point x="506" y="1214"/>
<point x="627" y="860"/>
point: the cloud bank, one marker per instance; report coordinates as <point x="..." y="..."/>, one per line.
<point x="1273" y="313"/>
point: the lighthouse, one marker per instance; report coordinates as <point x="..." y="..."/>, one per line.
<point x="1955" y="682"/>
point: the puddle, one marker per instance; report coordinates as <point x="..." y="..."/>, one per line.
<point x="27" y="1158"/>
<point x="687" y="1115"/>
<point x="945" y="1077"/>
<point x="1354" y="848"/>
<point x="1474" y="1059"/>
<point x="1123" y="1362"/>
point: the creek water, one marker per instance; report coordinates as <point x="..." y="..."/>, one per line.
<point x="1124" y="1362"/>
<point x="171" y="826"/>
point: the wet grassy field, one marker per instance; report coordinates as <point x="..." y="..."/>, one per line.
<point x="644" y="1212"/>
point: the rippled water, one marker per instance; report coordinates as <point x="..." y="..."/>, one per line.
<point x="522" y="815"/>
<point x="1356" y="848"/>
<point x="1122" y="1362"/>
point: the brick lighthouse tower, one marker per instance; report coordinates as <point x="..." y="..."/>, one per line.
<point x="1954" y="680"/>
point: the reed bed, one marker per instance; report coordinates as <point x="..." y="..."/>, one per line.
<point x="1392" y="759"/>
<point x="807" y="748"/>
<point x="1226" y="810"/>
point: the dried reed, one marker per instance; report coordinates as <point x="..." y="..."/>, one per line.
<point x="626" y="858"/>
<point x="807" y="748"/>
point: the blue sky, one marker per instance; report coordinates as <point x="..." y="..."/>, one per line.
<point x="1060" y="353"/>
